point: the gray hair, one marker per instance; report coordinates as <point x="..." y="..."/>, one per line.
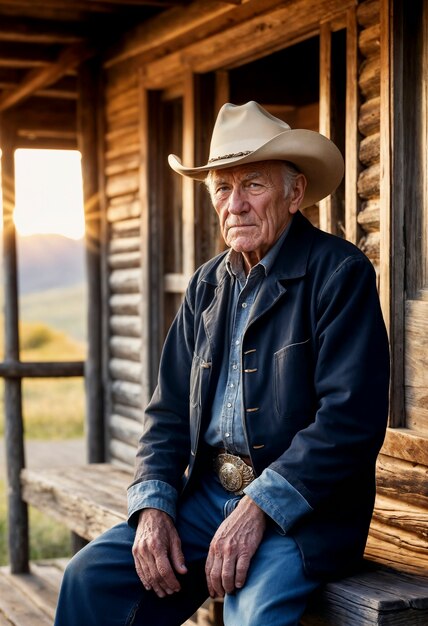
<point x="289" y="170"/>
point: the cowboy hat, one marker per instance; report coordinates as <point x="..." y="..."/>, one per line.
<point x="248" y="133"/>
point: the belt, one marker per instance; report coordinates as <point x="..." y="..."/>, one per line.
<point x="234" y="472"/>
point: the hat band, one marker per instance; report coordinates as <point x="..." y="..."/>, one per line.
<point x="230" y="156"/>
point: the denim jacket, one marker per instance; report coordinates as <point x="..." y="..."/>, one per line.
<point x="315" y="373"/>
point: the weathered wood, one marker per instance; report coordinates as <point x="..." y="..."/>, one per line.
<point x="175" y="283"/>
<point x="18" y="608"/>
<point x="403" y="444"/>
<point x="122" y="184"/>
<point x="369" y="40"/>
<point x="90" y="499"/>
<point x="123" y="211"/>
<point x="417" y="409"/>
<point x="123" y="369"/>
<point x="245" y="41"/>
<point x="369" y="182"/>
<point x="125" y="429"/>
<point x="369" y="80"/>
<point x="368" y="12"/>
<point x="403" y="516"/>
<point x="368" y="217"/>
<point x="369" y="117"/>
<point x="124" y="244"/>
<point x="129" y="411"/>
<point x="369" y="244"/>
<point x="125" y="304"/>
<point x="127" y="393"/>
<point x="402" y="550"/>
<point x="396" y="476"/>
<point x="125" y="281"/>
<point x="124" y="260"/>
<point x="126" y="348"/>
<point x="178" y="27"/>
<point x="122" y="452"/>
<point x="325" y="123"/>
<point x="125" y="228"/>
<point x="14" y="429"/>
<point x="125" y="325"/>
<point x="41" y="369"/>
<point x="370" y="149"/>
<point x="351" y="139"/>
<point x="89" y="98"/>
<point x="416" y="344"/>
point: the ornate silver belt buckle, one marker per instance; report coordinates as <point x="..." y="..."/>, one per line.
<point x="234" y="474"/>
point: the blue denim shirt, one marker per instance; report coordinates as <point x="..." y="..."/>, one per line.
<point x="226" y="428"/>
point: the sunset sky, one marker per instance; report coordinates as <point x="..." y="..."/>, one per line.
<point x="49" y="192"/>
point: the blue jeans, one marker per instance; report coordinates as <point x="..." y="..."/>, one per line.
<point x="101" y="588"/>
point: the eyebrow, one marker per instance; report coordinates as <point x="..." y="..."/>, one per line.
<point x="249" y="176"/>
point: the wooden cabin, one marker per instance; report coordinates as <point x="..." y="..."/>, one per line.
<point x="129" y="82"/>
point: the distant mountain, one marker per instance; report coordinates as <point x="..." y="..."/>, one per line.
<point x="49" y="262"/>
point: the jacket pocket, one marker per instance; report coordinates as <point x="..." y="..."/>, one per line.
<point x="199" y="366"/>
<point x="293" y="379"/>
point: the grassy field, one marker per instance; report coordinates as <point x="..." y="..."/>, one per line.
<point x="52" y="408"/>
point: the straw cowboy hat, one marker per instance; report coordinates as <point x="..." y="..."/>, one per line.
<point x="248" y="133"/>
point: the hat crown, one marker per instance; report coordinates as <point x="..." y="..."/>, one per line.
<point x="243" y="129"/>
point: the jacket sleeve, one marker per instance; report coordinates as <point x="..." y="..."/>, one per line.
<point x="351" y="381"/>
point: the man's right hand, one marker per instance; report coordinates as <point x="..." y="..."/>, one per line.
<point x="157" y="552"/>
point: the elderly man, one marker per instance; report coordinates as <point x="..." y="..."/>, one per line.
<point x="255" y="473"/>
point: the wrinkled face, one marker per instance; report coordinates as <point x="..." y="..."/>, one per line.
<point x="253" y="206"/>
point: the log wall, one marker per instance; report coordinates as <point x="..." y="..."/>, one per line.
<point x="122" y="171"/>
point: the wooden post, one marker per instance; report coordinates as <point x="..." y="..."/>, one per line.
<point x="325" y="205"/>
<point x="14" y="429"/>
<point x="189" y="123"/>
<point x="352" y="136"/>
<point x="88" y="146"/>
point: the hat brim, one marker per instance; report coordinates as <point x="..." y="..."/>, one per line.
<point x="314" y="155"/>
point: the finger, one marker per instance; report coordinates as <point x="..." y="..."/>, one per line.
<point x="241" y="570"/>
<point x="228" y="575"/>
<point x="177" y="557"/>
<point x="208" y="567"/>
<point x="215" y="577"/>
<point x="143" y="573"/>
<point x="166" y="576"/>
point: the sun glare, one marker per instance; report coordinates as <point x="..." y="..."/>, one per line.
<point x="49" y="193"/>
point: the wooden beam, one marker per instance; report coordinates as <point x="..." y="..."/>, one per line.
<point x="181" y="26"/>
<point x="23" y="55"/>
<point x="17" y="29"/>
<point x="42" y="369"/>
<point x="14" y="429"/>
<point x="68" y="59"/>
<point x="189" y="131"/>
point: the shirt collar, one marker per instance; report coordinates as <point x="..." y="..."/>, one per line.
<point x="235" y="263"/>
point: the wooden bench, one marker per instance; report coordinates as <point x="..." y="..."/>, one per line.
<point x="90" y="499"/>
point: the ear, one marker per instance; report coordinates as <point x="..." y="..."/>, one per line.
<point x="296" y="196"/>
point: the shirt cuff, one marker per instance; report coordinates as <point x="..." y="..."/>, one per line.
<point x="152" y="494"/>
<point x="278" y="499"/>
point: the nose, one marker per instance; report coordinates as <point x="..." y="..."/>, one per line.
<point x="237" y="201"/>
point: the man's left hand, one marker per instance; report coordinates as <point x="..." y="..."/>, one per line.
<point x="233" y="547"/>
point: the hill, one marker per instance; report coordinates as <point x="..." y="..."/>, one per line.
<point x="49" y="262"/>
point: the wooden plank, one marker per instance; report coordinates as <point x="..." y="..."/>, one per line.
<point x="368" y="12"/>
<point x="402" y="516"/>
<point x="326" y="204"/>
<point x="368" y="218"/>
<point x="369" y="152"/>
<point x="124" y="244"/>
<point x="124" y="429"/>
<point x="123" y="452"/>
<point x="351" y="133"/>
<point x="410" y="480"/>
<point x="188" y="215"/>
<point x="369" y="78"/>
<point x="401" y="443"/>
<point x="18" y="608"/>
<point x="39" y="591"/>
<point x="124" y="260"/>
<point x="126" y="228"/>
<point x="369" y="117"/>
<point x="417" y="409"/>
<point x="369" y="40"/>
<point x="89" y="499"/>
<point x="129" y="411"/>
<point x="175" y="283"/>
<point x="180" y="26"/>
<point x="403" y="550"/>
